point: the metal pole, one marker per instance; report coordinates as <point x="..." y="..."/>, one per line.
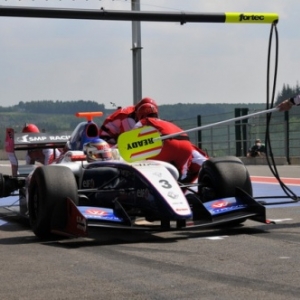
<point x="102" y="14"/>
<point x="237" y="113"/>
<point x="136" y="55"/>
<point x="287" y="136"/>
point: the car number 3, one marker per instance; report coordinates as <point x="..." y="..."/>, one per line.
<point x="165" y="184"/>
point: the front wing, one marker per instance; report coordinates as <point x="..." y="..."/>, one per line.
<point x="72" y="220"/>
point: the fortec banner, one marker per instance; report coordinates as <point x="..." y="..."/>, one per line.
<point x="249" y="17"/>
<point x="103" y="14"/>
<point x="40" y="138"/>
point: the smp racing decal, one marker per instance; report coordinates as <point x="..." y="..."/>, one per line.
<point x="39" y="138"/>
<point x="28" y="139"/>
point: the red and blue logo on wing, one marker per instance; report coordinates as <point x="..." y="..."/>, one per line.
<point x="221" y="206"/>
<point x="99" y="213"/>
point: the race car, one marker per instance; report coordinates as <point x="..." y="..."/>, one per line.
<point x="68" y="197"/>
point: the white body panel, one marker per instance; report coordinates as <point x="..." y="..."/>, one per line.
<point x="164" y="182"/>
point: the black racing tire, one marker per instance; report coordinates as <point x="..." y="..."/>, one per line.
<point x="222" y="175"/>
<point x="48" y="186"/>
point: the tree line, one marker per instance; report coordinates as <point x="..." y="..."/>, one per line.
<point x="287" y="92"/>
<point x="174" y="111"/>
<point x="56" y="115"/>
<point x="54" y="107"/>
<point x="171" y="112"/>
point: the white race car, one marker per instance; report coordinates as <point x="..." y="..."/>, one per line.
<point x="67" y="197"/>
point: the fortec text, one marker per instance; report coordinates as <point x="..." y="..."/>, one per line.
<point x="252" y="18"/>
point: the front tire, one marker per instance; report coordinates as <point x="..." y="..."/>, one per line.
<point x="48" y="186"/>
<point x="219" y="177"/>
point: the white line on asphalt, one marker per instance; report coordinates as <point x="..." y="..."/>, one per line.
<point x="280" y="220"/>
<point x="213" y="238"/>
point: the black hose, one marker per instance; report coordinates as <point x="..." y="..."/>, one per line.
<point x="270" y="104"/>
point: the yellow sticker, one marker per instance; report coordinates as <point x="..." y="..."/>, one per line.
<point x="139" y="144"/>
<point x="251" y="17"/>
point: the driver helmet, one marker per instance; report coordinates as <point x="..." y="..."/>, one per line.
<point x="144" y="101"/>
<point x="97" y="149"/>
<point x="146" y="110"/>
<point x="30" y="128"/>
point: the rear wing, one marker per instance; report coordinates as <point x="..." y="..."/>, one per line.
<point x="30" y="141"/>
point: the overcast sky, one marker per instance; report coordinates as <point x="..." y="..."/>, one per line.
<point x="51" y="59"/>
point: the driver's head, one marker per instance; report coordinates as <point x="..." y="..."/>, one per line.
<point x="29" y="128"/>
<point x="97" y="149"/>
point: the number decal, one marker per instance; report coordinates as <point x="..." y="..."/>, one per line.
<point x="165" y="184"/>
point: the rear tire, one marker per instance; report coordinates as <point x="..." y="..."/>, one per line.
<point x="48" y="186"/>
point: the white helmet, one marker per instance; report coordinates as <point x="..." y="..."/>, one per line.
<point x="97" y="149"/>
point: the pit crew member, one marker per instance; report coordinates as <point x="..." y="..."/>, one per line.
<point x="179" y="151"/>
<point x="42" y="156"/>
<point x="9" y="149"/>
<point x="123" y="119"/>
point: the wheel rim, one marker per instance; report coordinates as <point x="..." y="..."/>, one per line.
<point x="207" y="190"/>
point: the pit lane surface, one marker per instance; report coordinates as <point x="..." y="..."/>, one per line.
<point x="255" y="261"/>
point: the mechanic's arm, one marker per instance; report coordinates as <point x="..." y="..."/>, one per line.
<point x="138" y="125"/>
<point x="14" y="163"/>
<point x="289" y="103"/>
<point x="48" y="156"/>
<point x="128" y="124"/>
<point x="110" y="131"/>
<point x="29" y="160"/>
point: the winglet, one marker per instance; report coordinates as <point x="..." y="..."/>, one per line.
<point x="89" y="115"/>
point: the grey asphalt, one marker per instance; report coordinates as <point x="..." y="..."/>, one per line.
<point x="254" y="261"/>
<point x="292" y="171"/>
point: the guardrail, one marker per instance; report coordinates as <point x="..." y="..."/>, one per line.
<point x="236" y="138"/>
